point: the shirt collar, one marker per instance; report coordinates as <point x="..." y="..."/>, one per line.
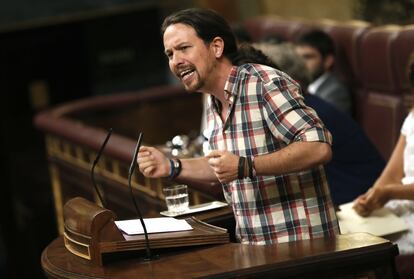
<point x="314" y="86"/>
<point x="231" y="87"/>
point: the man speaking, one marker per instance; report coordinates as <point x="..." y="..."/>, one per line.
<point x="267" y="146"/>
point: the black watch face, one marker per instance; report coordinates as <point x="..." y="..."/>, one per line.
<point x="176" y="164"/>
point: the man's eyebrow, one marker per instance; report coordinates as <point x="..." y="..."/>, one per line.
<point x="166" y="51"/>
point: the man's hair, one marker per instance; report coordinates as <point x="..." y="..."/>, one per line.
<point x="318" y="40"/>
<point x="249" y="54"/>
<point x="241" y="34"/>
<point x="410" y="70"/>
<point x="207" y="24"/>
<point x="410" y="76"/>
<point x="289" y="61"/>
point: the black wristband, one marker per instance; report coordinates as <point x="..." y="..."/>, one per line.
<point x="176" y="168"/>
<point x="240" y="171"/>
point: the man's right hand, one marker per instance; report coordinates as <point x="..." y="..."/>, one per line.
<point x="153" y="163"/>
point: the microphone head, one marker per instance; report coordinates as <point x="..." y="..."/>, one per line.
<point x="95" y="162"/>
<point x="98" y="155"/>
<point x="135" y="155"/>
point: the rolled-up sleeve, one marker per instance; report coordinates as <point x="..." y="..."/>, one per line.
<point x="287" y="116"/>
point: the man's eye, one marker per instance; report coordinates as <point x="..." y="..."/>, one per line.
<point x="309" y="56"/>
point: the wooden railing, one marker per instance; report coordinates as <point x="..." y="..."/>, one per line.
<point x="75" y="131"/>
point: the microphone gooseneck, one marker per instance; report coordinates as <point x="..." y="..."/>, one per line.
<point x="95" y="162"/>
<point x="149" y="255"/>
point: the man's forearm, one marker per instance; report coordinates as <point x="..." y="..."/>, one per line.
<point x="295" y="157"/>
<point x="196" y="170"/>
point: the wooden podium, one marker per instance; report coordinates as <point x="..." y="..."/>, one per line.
<point x="90" y="233"/>
<point x="345" y="256"/>
<point x="342" y="257"/>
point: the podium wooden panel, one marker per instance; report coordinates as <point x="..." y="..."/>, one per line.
<point x="345" y="256"/>
<point x="91" y="233"/>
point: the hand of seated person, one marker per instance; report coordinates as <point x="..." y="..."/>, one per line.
<point x="373" y="199"/>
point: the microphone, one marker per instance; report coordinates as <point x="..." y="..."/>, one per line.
<point x="95" y="162"/>
<point x="132" y="167"/>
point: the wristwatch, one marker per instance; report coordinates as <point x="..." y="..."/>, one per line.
<point x="175" y="167"/>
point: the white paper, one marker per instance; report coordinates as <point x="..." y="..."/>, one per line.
<point x="153" y="225"/>
<point x="381" y="221"/>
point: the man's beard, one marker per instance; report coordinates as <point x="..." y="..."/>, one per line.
<point x="317" y="73"/>
<point x="194" y="87"/>
<point x="198" y="83"/>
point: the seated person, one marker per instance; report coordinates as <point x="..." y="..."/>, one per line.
<point x="355" y="163"/>
<point x="318" y="51"/>
<point x="394" y="188"/>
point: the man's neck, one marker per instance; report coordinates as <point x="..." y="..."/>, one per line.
<point x="218" y="81"/>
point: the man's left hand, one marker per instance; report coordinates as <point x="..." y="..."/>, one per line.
<point x="224" y="164"/>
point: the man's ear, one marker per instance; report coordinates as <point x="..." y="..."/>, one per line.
<point x="328" y="61"/>
<point x="217" y="45"/>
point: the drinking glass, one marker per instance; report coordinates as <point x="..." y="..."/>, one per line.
<point x="176" y="198"/>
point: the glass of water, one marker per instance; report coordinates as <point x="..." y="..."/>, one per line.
<point x="176" y="198"/>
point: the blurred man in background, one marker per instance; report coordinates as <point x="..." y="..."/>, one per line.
<point x="318" y="51"/>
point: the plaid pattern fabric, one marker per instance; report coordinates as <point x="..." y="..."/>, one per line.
<point x="267" y="113"/>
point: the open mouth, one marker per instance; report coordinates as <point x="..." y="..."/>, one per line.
<point x="186" y="74"/>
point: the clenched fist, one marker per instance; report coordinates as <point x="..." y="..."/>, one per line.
<point x="153" y="163"/>
<point x="224" y="164"/>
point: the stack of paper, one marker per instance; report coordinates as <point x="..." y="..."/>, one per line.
<point x="166" y="233"/>
<point x="381" y="222"/>
<point x="153" y="225"/>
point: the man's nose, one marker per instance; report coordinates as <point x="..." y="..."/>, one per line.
<point x="176" y="59"/>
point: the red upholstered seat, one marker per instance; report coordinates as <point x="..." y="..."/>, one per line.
<point x="403" y="46"/>
<point x="262" y="27"/>
<point x="377" y="71"/>
<point x="257" y="27"/>
<point x="347" y="37"/>
<point x="380" y="100"/>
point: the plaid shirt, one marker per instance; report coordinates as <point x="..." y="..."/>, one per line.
<point x="266" y="113"/>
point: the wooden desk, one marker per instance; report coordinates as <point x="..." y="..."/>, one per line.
<point x="346" y="256"/>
